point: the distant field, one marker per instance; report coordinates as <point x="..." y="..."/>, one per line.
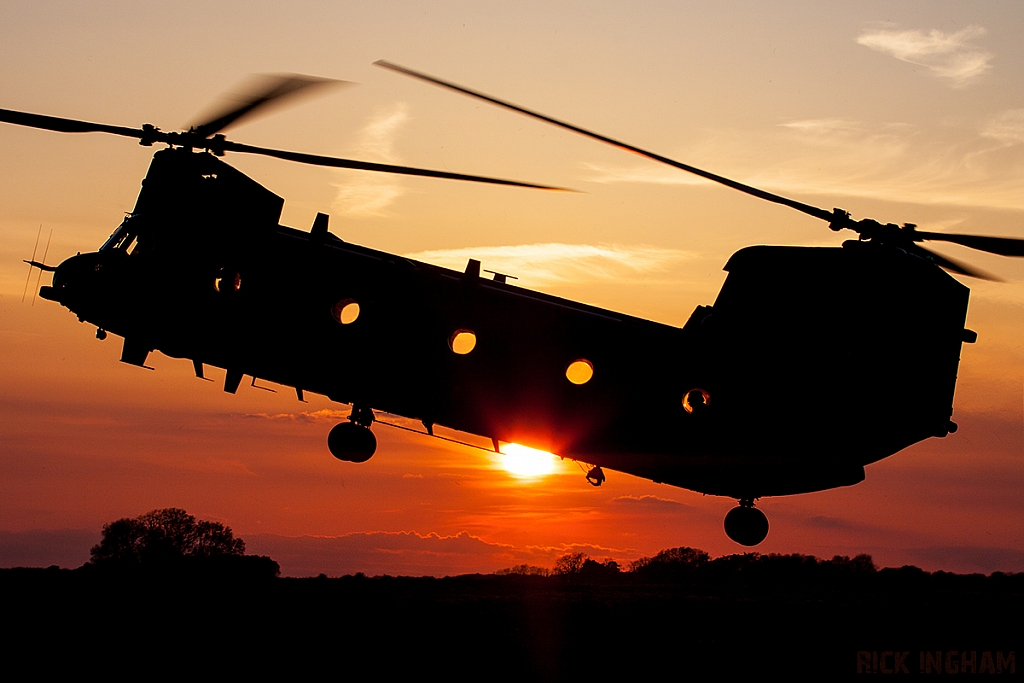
<point x="514" y="626"/>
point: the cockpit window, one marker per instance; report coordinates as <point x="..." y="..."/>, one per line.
<point x="123" y="237"/>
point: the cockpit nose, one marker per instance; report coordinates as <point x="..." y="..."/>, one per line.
<point x="72" y="275"/>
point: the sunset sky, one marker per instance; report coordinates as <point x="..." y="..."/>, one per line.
<point x="908" y="112"/>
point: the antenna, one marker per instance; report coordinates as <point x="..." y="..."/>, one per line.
<point x="40" y="275"/>
<point x="29" y="277"/>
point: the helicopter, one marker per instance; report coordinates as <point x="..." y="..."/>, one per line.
<point x="811" y="363"/>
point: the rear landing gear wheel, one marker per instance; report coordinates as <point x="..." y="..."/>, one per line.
<point x="746" y="524"/>
<point x="351" y="442"/>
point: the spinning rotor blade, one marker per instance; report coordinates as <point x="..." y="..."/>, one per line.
<point x="1003" y="246"/>
<point x="948" y="264"/>
<point x="336" y="162"/>
<point x="761" y="194"/>
<point x="262" y="91"/>
<point x="65" y="125"/>
<point x="837" y="218"/>
<point x="218" y="145"/>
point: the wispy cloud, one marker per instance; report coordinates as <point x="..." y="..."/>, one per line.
<point x="979" y="165"/>
<point x="651" y="173"/>
<point x="1007" y="127"/>
<point x="946" y="55"/>
<point x="409" y="553"/>
<point x="825" y="130"/>
<point x="649" y="504"/>
<point x="556" y="263"/>
<point x="324" y="415"/>
<point x="365" y="193"/>
<point x="823" y="126"/>
<point x="333" y="416"/>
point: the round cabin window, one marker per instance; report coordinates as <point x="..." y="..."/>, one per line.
<point x="227" y="281"/>
<point x="346" y="311"/>
<point x="696" y="400"/>
<point x="462" y="341"/>
<point x="579" y="371"/>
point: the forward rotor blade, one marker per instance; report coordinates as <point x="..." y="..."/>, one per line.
<point x="1003" y="246"/>
<point x="949" y="264"/>
<point x="262" y="91"/>
<point x="336" y="162"/>
<point x="62" y="125"/>
<point x="761" y="194"/>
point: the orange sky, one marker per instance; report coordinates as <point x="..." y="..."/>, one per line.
<point x="913" y="114"/>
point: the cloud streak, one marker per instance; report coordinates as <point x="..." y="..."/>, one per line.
<point x="409" y="553"/>
<point x="324" y="415"/>
<point x="370" y="194"/>
<point x="556" y="263"/>
<point x="649" y="173"/>
<point x="972" y="165"/>
<point x="1007" y="127"/>
<point x="649" y="504"/>
<point x="947" y="55"/>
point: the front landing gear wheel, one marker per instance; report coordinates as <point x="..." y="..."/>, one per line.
<point x="351" y="442"/>
<point x="746" y="525"/>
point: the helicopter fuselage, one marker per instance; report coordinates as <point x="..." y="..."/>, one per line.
<point x="811" y="363"/>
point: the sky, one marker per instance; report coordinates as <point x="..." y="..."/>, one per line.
<point x="903" y="112"/>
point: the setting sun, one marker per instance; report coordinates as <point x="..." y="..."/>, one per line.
<point x="521" y="461"/>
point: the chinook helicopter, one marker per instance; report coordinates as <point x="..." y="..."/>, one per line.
<point x="810" y="364"/>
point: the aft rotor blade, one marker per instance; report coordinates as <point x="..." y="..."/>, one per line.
<point x="62" y="125"/>
<point x="336" y="162"/>
<point x="262" y="91"/>
<point x="761" y="194"/>
<point x="949" y="264"/>
<point x="1003" y="246"/>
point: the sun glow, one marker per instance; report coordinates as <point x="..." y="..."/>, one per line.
<point x="521" y="461"/>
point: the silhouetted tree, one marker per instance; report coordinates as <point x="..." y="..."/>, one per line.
<point x="860" y="564"/>
<point x="595" y="571"/>
<point x="570" y="565"/>
<point x="163" y="536"/>
<point x="672" y="560"/>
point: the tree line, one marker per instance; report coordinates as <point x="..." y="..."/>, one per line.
<point x="768" y="572"/>
<point x="172" y="542"/>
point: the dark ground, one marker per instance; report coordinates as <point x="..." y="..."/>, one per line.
<point x="682" y="625"/>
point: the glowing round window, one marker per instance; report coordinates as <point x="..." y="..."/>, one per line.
<point x="227" y="281"/>
<point x="346" y="311"/>
<point x="462" y="341"/>
<point x="696" y="400"/>
<point x="579" y="371"/>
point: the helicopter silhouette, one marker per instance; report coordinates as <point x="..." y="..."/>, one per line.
<point x="810" y="364"/>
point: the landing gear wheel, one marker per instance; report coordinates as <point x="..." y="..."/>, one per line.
<point x="746" y="525"/>
<point x="351" y="442"/>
